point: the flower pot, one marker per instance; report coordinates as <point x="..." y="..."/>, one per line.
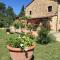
<point x="23" y="29"/>
<point x="18" y="30"/>
<point x="18" y="54"/>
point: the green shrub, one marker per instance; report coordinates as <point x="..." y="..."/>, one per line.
<point x="43" y="36"/>
<point x="35" y="27"/>
<point x="59" y="30"/>
<point x="30" y="27"/>
<point x="25" y="17"/>
<point x="22" y="25"/>
<point x="16" y="26"/>
<point x="23" y="40"/>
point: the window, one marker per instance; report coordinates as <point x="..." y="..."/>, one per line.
<point x="49" y="8"/>
<point x="30" y="12"/>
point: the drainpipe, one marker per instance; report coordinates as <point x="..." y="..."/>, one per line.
<point x="57" y="18"/>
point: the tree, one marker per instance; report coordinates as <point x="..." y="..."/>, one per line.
<point x="5" y="21"/>
<point x="22" y="13"/>
<point x="10" y="12"/>
<point x="7" y="15"/>
<point x="2" y="7"/>
<point x="10" y="15"/>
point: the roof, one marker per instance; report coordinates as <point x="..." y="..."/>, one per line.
<point x="29" y="3"/>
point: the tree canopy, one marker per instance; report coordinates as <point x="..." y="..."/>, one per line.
<point x="22" y="12"/>
<point x="10" y="12"/>
<point x="7" y="15"/>
<point x="2" y="8"/>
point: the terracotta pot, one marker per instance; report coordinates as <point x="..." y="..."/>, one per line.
<point x="18" y="30"/>
<point x="23" y="29"/>
<point x="18" y="54"/>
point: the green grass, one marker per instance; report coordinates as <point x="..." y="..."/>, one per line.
<point x="48" y="52"/>
<point x="42" y="52"/>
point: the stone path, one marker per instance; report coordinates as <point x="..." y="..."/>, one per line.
<point x="57" y="35"/>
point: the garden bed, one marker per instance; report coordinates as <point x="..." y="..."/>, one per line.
<point x="42" y="52"/>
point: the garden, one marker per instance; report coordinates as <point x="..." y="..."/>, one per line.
<point x="50" y="51"/>
<point x="20" y="40"/>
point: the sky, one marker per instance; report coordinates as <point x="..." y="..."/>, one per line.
<point x="16" y="4"/>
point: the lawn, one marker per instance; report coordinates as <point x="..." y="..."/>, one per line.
<point x="42" y="52"/>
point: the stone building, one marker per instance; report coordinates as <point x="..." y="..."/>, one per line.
<point x="55" y="24"/>
<point x="44" y="9"/>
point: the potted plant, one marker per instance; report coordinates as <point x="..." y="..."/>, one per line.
<point x="12" y="29"/>
<point x="35" y="26"/>
<point x="22" y="26"/>
<point x="30" y="27"/>
<point x="16" y="24"/>
<point x="21" y="47"/>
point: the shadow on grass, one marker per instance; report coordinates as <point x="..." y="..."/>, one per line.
<point x="32" y="57"/>
<point x="10" y="58"/>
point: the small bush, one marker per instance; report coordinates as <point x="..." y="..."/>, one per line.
<point x="59" y="30"/>
<point x="16" y="26"/>
<point x="35" y="26"/>
<point x="43" y="36"/>
<point x="30" y="27"/>
<point x="22" y="25"/>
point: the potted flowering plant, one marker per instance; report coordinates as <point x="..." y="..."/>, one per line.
<point x="30" y="27"/>
<point x="21" y="48"/>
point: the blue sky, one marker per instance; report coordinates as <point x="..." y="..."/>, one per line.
<point x="16" y="4"/>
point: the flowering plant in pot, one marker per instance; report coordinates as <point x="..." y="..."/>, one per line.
<point x="21" y="47"/>
<point x="30" y="27"/>
<point x="19" y="26"/>
<point x="16" y="24"/>
<point x="22" y="26"/>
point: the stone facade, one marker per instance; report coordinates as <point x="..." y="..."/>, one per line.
<point x="53" y="23"/>
<point x="39" y="9"/>
<point x="56" y="20"/>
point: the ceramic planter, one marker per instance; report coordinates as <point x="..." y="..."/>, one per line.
<point x="18" y="54"/>
<point x="18" y="30"/>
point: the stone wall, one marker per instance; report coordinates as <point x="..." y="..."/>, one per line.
<point x="53" y="23"/>
<point x="56" y="21"/>
<point x="39" y="8"/>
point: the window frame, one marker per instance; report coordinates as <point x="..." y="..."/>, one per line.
<point x="49" y="8"/>
<point x="30" y="12"/>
